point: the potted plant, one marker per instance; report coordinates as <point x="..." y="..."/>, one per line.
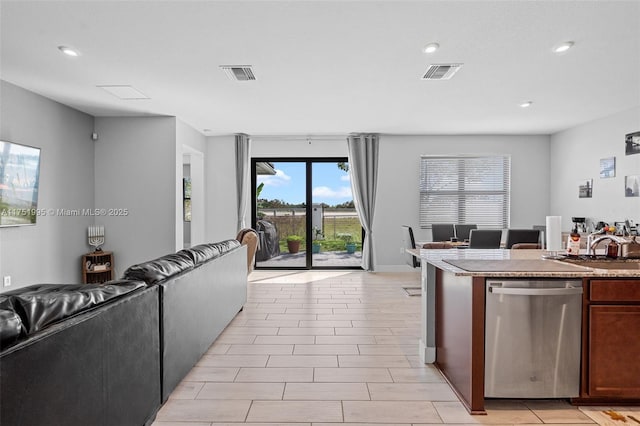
<point x="293" y="243"/>
<point x="348" y="240"/>
<point x="317" y="236"/>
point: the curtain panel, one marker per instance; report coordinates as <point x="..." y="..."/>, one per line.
<point x="243" y="148"/>
<point x="363" y="168"/>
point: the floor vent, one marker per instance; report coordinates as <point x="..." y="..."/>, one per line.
<point x="441" y="71"/>
<point x="239" y="72"/>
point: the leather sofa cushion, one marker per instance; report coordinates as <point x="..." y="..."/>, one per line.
<point x="41" y="305"/>
<point x="205" y="252"/>
<point x="201" y="253"/>
<point x="154" y="271"/>
<point x="10" y="328"/>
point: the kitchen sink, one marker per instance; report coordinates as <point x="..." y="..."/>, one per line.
<point x="633" y="265"/>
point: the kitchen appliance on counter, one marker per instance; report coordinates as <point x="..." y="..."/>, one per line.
<point x="532" y="338"/>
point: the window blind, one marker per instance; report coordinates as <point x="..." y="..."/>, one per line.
<point x="465" y="189"/>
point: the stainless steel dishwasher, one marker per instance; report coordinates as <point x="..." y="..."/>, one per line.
<point x="532" y="338"/>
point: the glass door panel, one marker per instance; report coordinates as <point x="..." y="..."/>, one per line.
<point x="281" y="214"/>
<point x="336" y="237"/>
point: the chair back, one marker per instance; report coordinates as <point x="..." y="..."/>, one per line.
<point x="409" y="242"/>
<point x="485" y="238"/>
<point x="442" y="231"/>
<point x="517" y="246"/>
<point x="249" y="237"/>
<point x="463" y="230"/>
<point x="522" y="236"/>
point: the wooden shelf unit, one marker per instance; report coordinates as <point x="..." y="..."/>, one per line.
<point x="98" y="259"/>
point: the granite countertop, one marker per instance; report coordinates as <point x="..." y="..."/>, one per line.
<point x="511" y="263"/>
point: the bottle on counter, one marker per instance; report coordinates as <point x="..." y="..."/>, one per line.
<point x="573" y="242"/>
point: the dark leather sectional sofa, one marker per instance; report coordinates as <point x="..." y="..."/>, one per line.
<point x="110" y="355"/>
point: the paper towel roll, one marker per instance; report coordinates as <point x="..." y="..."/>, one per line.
<point x="554" y="233"/>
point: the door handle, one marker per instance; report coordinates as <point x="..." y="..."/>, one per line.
<point x="535" y="291"/>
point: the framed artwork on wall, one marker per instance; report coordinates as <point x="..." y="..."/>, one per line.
<point x="608" y="167"/>
<point x="585" y="188"/>
<point x="632" y="186"/>
<point x="632" y="143"/>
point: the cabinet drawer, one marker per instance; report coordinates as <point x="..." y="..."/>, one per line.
<point x="615" y="290"/>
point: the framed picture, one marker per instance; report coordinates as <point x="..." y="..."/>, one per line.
<point x="632" y="143"/>
<point x="632" y="186"/>
<point x="585" y="188"/>
<point x="608" y="167"/>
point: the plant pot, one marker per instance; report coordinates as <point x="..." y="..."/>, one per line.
<point x="293" y="246"/>
<point x="351" y="248"/>
<point x="315" y="248"/>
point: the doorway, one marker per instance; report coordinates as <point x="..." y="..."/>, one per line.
<point x="304" y="213"/>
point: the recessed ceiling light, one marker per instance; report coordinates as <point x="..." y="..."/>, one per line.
<point x="69" y="51"/>
<point x="431" y="47"/>
<point x="526" y="104"/>
<point x="563" y="47"/>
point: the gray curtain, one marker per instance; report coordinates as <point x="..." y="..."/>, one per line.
<point x="363" y="167"/>
<point x="243" y="147"/>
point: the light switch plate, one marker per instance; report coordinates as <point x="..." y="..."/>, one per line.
<point x="6" y="281"/>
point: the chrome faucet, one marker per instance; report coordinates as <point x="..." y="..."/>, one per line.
<point x="592" y="243"/>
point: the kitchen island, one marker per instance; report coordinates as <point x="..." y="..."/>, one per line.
<point x="453" y="320"/>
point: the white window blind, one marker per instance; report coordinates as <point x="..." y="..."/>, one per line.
<point x="465" y="189"/>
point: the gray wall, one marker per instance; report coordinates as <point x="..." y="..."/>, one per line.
<point x="135" y="169"/>
<point x="49" y="251"/>
<point x="191" y="144"/>
<point x="220" y="178"/>
<point x="575" y="156"/>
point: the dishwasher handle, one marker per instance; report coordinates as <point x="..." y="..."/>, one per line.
<point x="535" y="291"/>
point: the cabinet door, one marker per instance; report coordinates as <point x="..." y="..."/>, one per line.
<point x="614" y="351"/>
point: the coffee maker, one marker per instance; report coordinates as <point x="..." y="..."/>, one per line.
<point x="579" y="223"/>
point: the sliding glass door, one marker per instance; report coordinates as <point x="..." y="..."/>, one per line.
<point x="304" y="214"/>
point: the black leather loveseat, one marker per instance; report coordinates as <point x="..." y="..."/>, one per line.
<point x="110" y="355"/>
<point x="79" y="354"/>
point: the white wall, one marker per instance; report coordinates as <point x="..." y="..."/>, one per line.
<point x="135" y="169"/>
<point x="49" y="251"/>
<point x="575" y="156"/>
<point x="398" y="198"/>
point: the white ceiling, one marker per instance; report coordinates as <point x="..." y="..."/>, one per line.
<point x="332" y="67"/>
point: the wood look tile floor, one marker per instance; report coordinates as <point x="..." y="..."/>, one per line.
<point x="323" y="348"/>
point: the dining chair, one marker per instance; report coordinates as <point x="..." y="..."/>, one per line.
<point x="463" y="229"/>
<point x="522" y="236"/>
<point x="442" y="231"/>
<point x="485" y="238"/>
<point x="409" y="242"/>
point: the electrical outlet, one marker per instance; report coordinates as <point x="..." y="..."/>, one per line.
<point x="6" y="281"/>
<point x="402" y="249"/>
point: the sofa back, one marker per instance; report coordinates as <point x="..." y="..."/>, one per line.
<point x="29" y="310"/>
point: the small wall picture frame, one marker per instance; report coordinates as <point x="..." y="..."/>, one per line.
<point x="585" y="188"/>
<point x="632" y="186"/>
<point x="632" y="143"/>
<point x="607" y="167"/>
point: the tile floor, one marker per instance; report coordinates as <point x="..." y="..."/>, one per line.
<point x="331" y="347"/>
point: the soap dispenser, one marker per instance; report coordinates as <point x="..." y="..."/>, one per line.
<point x="573" y="242"/>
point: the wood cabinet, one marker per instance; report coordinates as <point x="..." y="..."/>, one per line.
<point x="97" y="267"/>
<point x="611" y="341"/>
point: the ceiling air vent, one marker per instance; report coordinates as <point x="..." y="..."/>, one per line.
<point x="239" y="72"/>
<point x="441" y="71"/>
